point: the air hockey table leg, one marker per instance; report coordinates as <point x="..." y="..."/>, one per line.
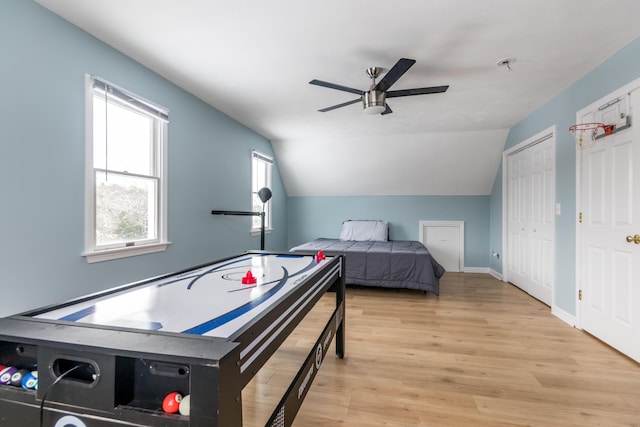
<point x="340" y="302"/>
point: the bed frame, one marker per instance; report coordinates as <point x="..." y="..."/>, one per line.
<point x="371" y="259"/>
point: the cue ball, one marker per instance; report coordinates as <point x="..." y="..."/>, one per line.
<point x="30" y="381"/>
<point x="185" y="405"/>
<point x="171" y="402"/>
<point x="16" y="379"/>
<point x="6" y="374"/>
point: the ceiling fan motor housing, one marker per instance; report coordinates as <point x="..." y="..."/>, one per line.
<point x="373" y="99"/>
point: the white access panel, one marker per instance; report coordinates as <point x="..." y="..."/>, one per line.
<point x="445" y="241"/>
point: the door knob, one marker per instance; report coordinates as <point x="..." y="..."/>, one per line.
<point x="634" y="239"/>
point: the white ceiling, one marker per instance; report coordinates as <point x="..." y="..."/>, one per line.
<point x="253" y="59"/>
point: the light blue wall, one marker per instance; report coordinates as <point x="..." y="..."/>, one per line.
<point x="312" y="217"/>
<point x="617" y="71"/>
<point x="44" y="59"/>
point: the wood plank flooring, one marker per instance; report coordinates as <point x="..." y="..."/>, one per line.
<point x="483" y="353"/>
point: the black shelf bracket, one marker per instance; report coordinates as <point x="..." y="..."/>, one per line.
<point x="246" y="213"/>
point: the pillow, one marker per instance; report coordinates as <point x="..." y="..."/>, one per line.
<point x="365" y="231"/>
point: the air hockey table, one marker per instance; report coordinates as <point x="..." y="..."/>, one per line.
<point x="109" y="359"/>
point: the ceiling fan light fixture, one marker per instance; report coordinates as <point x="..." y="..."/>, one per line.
<point x="374" y="102"/>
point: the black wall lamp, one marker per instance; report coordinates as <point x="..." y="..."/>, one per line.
<point x="265" y="195"/>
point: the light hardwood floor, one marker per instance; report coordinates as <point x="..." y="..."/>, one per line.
<point x="483" y="353"/>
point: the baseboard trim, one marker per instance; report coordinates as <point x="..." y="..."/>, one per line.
<point x="495" y="274"/>
<point x="570" y="319"/>
<point x="475" y="270"/>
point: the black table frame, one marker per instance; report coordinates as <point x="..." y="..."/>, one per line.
<point x="122" y="374"/>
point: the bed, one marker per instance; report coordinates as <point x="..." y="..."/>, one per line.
<point x="373" y="260"/>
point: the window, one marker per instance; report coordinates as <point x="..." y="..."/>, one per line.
<point x="261" y="177"/>
<point x="125" y="203"/>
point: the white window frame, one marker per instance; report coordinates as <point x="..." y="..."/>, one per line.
<point x="256" y="184"/>
<point x="93" y="252"/>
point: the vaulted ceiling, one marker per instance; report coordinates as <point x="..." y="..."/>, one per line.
<point x="253" y="60"/>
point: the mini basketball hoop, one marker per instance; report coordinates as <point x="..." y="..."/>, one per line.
<point x="582" y="131"/>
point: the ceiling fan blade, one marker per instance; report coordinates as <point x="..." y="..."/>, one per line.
<point x="344" y="104"/>
<point x="387" y="110"/>
<point x="336" y="87"/>
<point x="394" y="74"/>
<point x="417" y="91"/>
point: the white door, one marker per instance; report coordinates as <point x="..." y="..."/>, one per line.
<point x="444" y="245"/>
<point x="531" y="210"/>
<point x="518" y="216"/>
<point x="542" y="216"/>
<point x="609" y="264"/>
<point x="445" y="242"/>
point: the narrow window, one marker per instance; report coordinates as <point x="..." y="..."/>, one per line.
<point x="261" y="177"/>
<point x="125" y="208"/>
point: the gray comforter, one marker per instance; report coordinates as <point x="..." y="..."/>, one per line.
<point x="390" y="264"/>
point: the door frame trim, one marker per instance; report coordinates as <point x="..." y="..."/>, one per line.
<point x="548" y="133"/>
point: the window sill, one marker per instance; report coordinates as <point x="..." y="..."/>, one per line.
<point x="110" y="254"/>
<point x="258" y="232"/>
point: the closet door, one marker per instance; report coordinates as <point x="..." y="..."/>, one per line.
<point x="531" y="211"/>
<point x="542" y="221"/>
<point x="518" y="212"/>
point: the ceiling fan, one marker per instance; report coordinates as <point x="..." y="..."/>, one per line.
<point x="374" y="100"/>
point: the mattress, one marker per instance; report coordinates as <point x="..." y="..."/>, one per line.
<point x="389" y="264"/>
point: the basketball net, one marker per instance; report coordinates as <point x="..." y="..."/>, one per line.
<point x="585" y="133"/>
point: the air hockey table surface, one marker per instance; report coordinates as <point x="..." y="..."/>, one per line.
<point x="203" y="331"/>
<point x="209" y="300"/>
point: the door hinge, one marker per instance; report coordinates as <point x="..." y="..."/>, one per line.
<point x="580" y="294"/>
<point x="580" y="217"/>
